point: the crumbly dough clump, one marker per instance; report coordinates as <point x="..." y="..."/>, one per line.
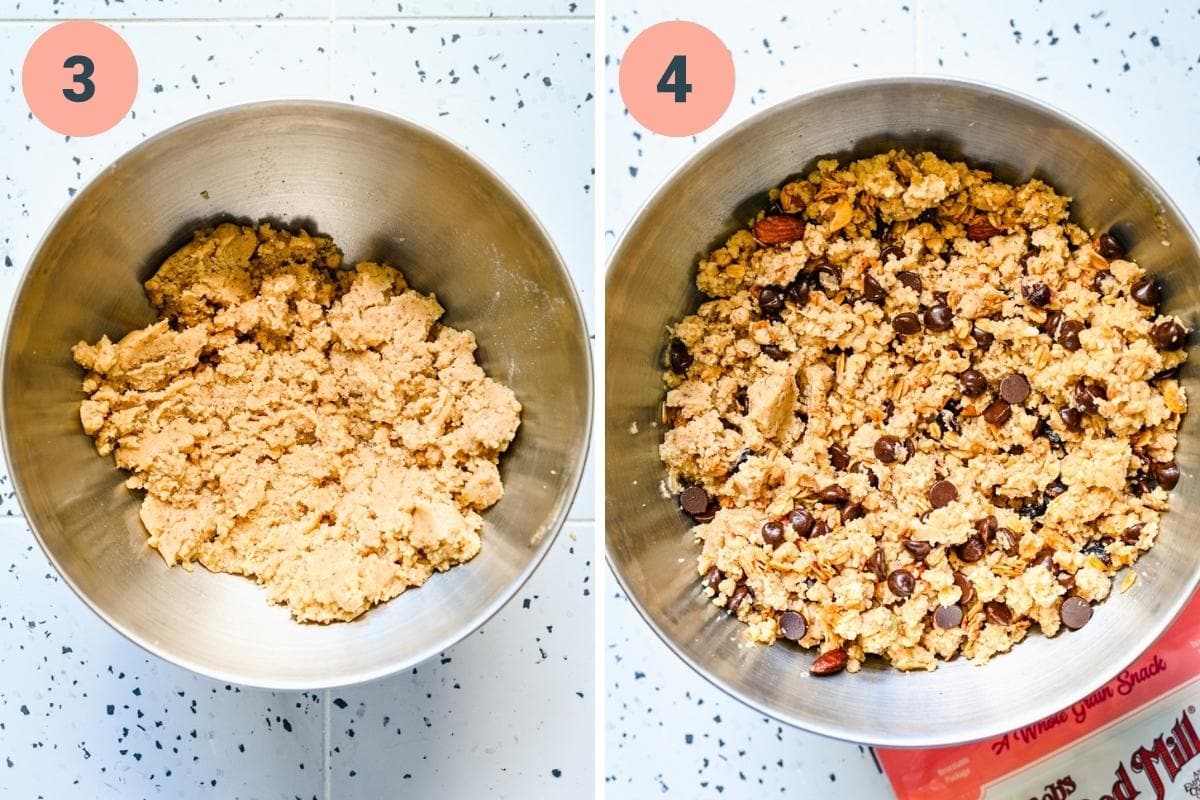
<point x="315" y="428"/>
<point x="922" y="412"/>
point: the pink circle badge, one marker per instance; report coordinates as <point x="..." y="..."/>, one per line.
<point x="677" y="78"/>
<point x="79" y="78"/>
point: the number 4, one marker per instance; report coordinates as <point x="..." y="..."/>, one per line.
<point x="674" y="80"/>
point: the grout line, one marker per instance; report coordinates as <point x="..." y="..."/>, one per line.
<point x="296" y="20"/>
<point x="599" y="251"/>
<point x="328" y="740"/>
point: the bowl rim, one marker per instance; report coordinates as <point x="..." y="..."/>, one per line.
<point x="564" y="502"/>
<point x="1035" y="709"/>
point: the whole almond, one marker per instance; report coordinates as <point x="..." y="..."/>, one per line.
<point x="778" y="229"/>
<point x="829" y="663"/>
<point x="981" y="231"/>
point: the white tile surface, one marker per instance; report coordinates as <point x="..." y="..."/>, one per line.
<point x="1149" y="108"/>
<point x="579" y="9"/>
<point x="85" y="714"/>
<point x="501" y="715"/>
<point x="163" y="9"/>
<point x="505" y="714"/>
<point x="290" y="9"/>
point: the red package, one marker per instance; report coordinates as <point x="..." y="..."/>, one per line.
<point x="1136" y="737"/>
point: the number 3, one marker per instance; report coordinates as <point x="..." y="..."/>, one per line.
<point x="677" y="72"/>
<point x="83" y="78"/>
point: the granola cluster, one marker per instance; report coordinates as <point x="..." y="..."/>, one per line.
<point x="922" y="412"/>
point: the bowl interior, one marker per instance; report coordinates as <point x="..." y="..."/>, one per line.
<point x="650" y="285"/>
<point x="385" y="190"/>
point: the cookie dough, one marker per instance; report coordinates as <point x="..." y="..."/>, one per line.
<point x="312" y="427"/>
<point x="921" y="413"/>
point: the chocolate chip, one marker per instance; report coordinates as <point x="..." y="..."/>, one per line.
<point x="982" y="338"/>
<point x="986" y="527"/>
<point x="997" y="613"/>
<point x="1044" y="558"/>
<point x="872" y="292"/>
<point x="892" y="251"/>
<point x="859" y="468"/>
<point x="918" y="548"/>
<point x="901" y="582"/>
<point x="1055" y="488"/>
<point x="1168" y="335"/>
<point x="910" y="279"/>
<point x="1033" y="509"/>
<point x="1099" y="549"/>
<point x="965" y="588"/>
<point x="741" y="399"/>
<point x="876" y="565"/>
<point x="906" y="324"/>
<point x="833" y="494"/>
<point x="775" y="352"/>
<point x="792" y="625"/>
<point x="852" y="512"/>
<point x="973" y="383"/>
<point x="1141" y="486"/>
<point x="797" y="291"/>
<point x="1108" y="247"/>
<point x="829" y="663"/>
<point x="1068" y="334"/>
<point x="971" y="550"/>
<point x="1050" y="325"/>
<point x="1166" y="473"/>
<point x="1088" y="395"/>
<point x="1007" y="541"/>
<point x="802" y="520"/>
<point x="737" y="598"/>
<point x="1072" y="418"/>
<point x="1075" y="612"/>
<point x="1036" y="294"/>
<point x="693" y="500"/>
<point x="770" y="301"/>
<point x="1102" y="281"/>
<point x="828" y="279"/>
<point x="839" y="457"/>
<point x="998" y="412"/>
<point x="820" y="528"/>
<point x="1147" y="291"/>
<point x="1133" y="533"/>
<point x="679" y="357"/>
<point x="772" y="534"/>
<point x="947" y="617"/>
<point x="942" y="493"/>
<point x="948" y="418"/>
<point x="1014" y="389"/>
<point x="890" y="449"/>
<point x="1168" y="373"/>
<point x="939" y="318"/>
<point x="713" y="578"/>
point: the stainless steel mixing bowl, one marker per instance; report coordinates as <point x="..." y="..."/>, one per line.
<point x="649" y="285"/>
<point x="385" y="189"/>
